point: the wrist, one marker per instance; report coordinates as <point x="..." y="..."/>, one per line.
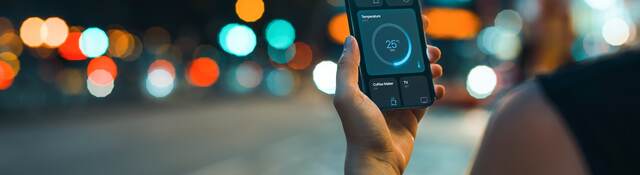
<point x="361" y="161"/>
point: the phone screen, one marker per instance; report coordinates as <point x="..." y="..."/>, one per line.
<point x="394" y="70"/>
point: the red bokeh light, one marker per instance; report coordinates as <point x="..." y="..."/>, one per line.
<point x="104" y="63"/>
<point x="6" y="75"/>
<point x="303" y="57"/>
<point x="70" y="49"/>
<point x="203" y="72"/>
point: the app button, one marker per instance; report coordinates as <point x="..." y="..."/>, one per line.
<point x="415" y="91"/>
<point x="385" y="92"/>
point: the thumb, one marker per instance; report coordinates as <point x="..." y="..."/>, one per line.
<point x="347" y="76"/>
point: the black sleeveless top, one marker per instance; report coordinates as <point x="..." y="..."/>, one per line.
<point x="600" y="104"/>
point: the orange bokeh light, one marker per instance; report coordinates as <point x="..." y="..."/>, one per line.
<point x="164" y="65"/>
<point x="449" y="23"/>
<point x="121" y="43"/>
<point x="70" y="49"/>
<point x="250" y="10"/>
<point x="339" y="28"/>
<point x="10" y="41"/>
<point x="203" y="72"/>
<point x="303" y="57"/>
<point x="103" y="63"/>
<point x="32" y="32"/>
<point x="12" y="60"/>
<point x="56" y="31"/>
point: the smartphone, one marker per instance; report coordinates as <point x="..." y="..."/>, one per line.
<point x="395" y="71"/>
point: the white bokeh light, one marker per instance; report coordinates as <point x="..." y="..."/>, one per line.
<point x="600" y="4"/>
<point x="159" y="83"/>
<point x="100" y="83"/>
<point x="481" y="82"/>
<point x="616" y="31"/>
<point x="324" y="76"/>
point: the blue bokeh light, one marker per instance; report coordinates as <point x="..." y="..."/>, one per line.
<point x="238" y="40"/>
<point x="94" y="42"/>
<point x="280" y="34"/>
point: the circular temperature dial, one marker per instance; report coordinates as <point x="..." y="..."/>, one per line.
<point x="391" y="44"/>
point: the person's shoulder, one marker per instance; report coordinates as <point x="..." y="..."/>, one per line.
<point x="527" y="135"/>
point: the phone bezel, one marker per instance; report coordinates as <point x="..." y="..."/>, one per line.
<point x="364" y="78"/>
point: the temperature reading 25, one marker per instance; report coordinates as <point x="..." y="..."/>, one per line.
<point x="392" y="44"/>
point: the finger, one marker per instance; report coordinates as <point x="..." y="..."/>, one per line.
<point x="440" y="91"/>
<point x="436" y="71"/>
<point x="434" y="54"/>
<point x="347" y="76"/>
<point x="425" y="21"/>
<point x="419" y="113"/>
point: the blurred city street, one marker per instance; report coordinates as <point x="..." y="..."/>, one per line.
<point x="299" y="135"/>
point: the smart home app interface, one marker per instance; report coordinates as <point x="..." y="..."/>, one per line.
<point x="391" y="49"/>
<point x="391" y="41"/>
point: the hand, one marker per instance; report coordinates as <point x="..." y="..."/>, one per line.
<point x="377" y="142"/>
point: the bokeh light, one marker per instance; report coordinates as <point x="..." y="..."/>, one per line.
<point x="31" y="32"/>
<point x="70" y="81"/>
<point x="70" y="49"/>
<point x="57" y="31"/>
<point x="203" y="72"/>
<point x="250" y="10"/>
<point x="244" y="77"/>
<point x="136" y="49"/>
<point x="103" y="63"/>
<point x="100" y="83"/>
<point x="616" y="31"/>
<point x="280" y="82"/>
<point x="156" y="40"/>
<point x="94" y="42"/>
<point x="121" y="43"/>
<point x="504" y="44"/>
<point x="509" y="20"/>
<point x="6" y="75"/>
<point x="11" y="42"/>
<point x="281" y="56"/>
<point x="339" y="28"/>
<point x="302" y="58"/>
<point x="13" y="61"/>
<point x="280" y="34"/>
<point x="6" y="26"/>
<point x="164" y="65"/>
<point x="249" y="74"/>
<point x="159" y="83"/>
<point x="481" y="82"/>
<point x="600" y="4"/>
<point x="238" y="40"/>
<point x="324" y="76"/>
<point x="160" y="80"/>
<point x="451" y="23"/>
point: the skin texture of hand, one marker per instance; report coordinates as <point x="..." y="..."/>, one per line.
<point x="377" y="142"/>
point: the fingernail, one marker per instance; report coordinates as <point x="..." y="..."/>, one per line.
<point x="347" y="43"/>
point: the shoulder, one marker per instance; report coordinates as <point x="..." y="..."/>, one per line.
<point x="527" y="136"/>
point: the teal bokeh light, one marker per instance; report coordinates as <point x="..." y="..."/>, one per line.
<point x="236" y="39"/>
<point x="94" y="42"/>
<point x="281" y="56"/>
<point x="280" y="82"/>
<point x="280" y="34"/>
